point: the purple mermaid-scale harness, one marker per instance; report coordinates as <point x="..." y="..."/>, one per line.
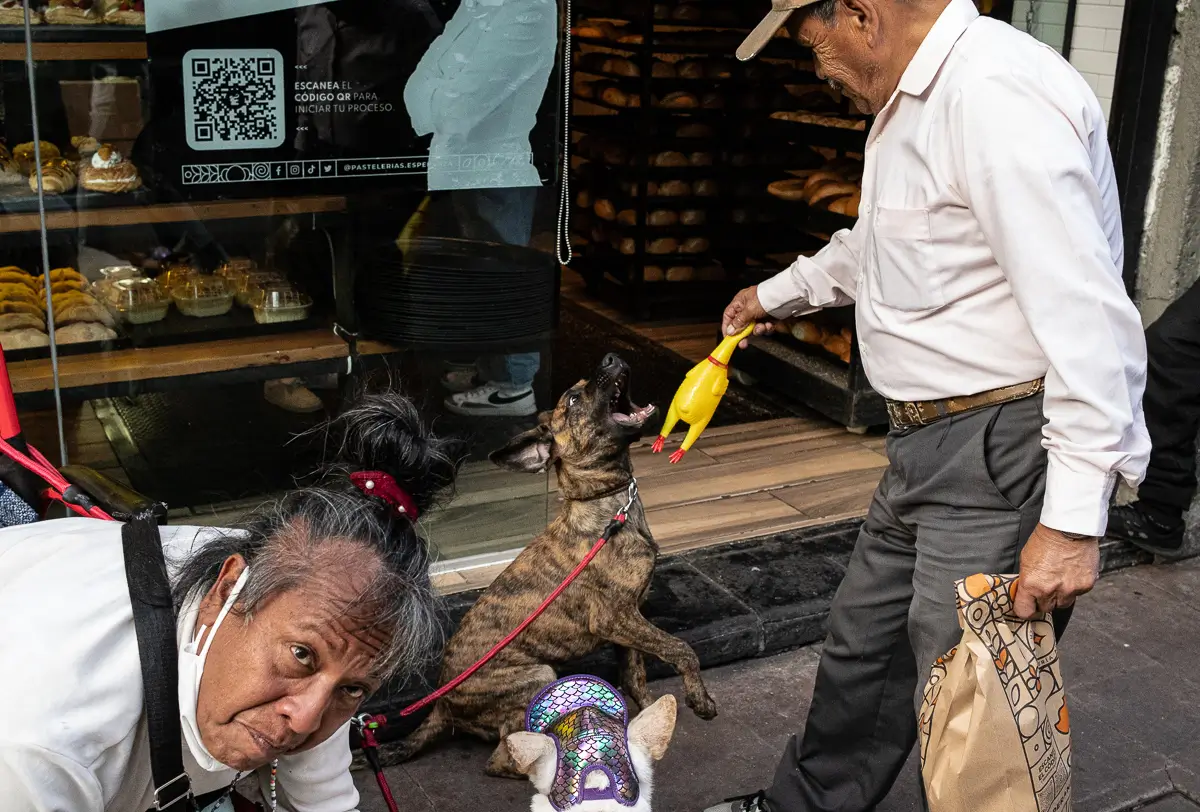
<point x="587" y="719"/>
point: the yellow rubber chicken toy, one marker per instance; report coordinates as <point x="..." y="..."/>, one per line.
<point x="698" y="397"/>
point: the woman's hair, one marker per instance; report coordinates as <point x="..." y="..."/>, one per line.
<point x="303" y="535"/>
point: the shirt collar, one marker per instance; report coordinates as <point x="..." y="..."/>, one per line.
<point x="938" y="44"/>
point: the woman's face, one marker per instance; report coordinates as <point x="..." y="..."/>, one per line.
<point x="289" y="676"/>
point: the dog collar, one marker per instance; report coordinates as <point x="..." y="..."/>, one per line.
<point x="587" y="719"/>
<point x="629" y="486"/>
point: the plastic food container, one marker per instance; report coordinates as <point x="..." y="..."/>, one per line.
<point x="252" y="284"/>
<point x="102" y="289"/>
<point x="139" y="301"/>
<point x="177" y="274"/>
<point x="279" y="303"/>
<point x="237" y="266"/>
<point x="203" y="297"/>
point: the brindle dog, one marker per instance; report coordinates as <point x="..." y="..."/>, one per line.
<point x="586" y="439"/>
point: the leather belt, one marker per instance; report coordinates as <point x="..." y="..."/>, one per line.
<point x="910" y="414"/>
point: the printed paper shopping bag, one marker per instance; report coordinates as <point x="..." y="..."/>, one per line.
<point x="994" y="730"/>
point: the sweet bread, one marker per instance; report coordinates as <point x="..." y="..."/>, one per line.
<point x="679" y="100"/>
<point x="11" y="174"/>
<point x="839" y="346"/>
<point x="584" y="89"/>
<point x="808" y="332"/>
<point x="80" y="312"/>
<point x="24" y="338"/>
<point x="62" y="274"/>
<point x="619" y="98"/>
<point x="108" y="171"/>
<point x="83" y="331"/>
<point x="15" y="276"/>
<point x="820" y="177"/>
<point x="831" y="191"/>
<point x="123" y="12"/>
<point x="20" y="293"/>
<point x="58" y="177"/>
<point x="12" y="12"/>
<point x="627" y="217"/>
<point x="664" y="159"/>
<point x="26" y="158"/>
<point x="84" y="146"/>
<point x="21" y="321"/>
<point x="72" y="12"/>
<point x="68" y="285"/>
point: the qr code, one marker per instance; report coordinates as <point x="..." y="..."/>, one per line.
<point x="233" y="99"/>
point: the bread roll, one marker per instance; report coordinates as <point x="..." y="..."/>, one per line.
<point x="831" y="191"/>
<point x="846" y="205"/>
<point x="700" y="159"/>
<point x="627" y="246"/>
<point x="694" y="245"/>
<point x="590" y="31"/>
<point x="21" y="321"/>
<point x="619" y="98"/>
<point x="663" y="245"/>
<point x="653" y="273"/>
<point x="621" y="67"/>
<point x="23" y="339"/>
<point x="669" y="159"/>
<point x="605" y="210"/>
<point x="663" y="70"/>
<point x="674" y="188"/>
<point x="679" y="100"/>
<point x="808" y="332"/>
<point x="584" y="89"/>
<point x="839" y="346"/>
<point x="17" y="306"/>
<point x="705" y="188"/>
<point x="81" y="332"/>
<point x="690" y="69"/>
<point x="631" y="39"/>
<point x="662" y="217"/>
<point x="695" y="130"/>
<point x="791" y="189"/>
<point x="818" y="178"/>
<point x="681" y="273"/>
<point x="693" y="217"/>
<point x="627" y="217"/>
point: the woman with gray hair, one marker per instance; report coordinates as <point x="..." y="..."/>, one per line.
<point x="285" y="625"/>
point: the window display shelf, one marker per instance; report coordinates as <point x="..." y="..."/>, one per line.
<point x="182" y="360"/>
<point x="173" y="213"/>
<point x="69" y="51"/>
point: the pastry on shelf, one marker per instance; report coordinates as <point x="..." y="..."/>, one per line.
<point x="11" y="174"/>
<point x="108" y="171"/>
<point x="13" y="292"/>
<point x="73" y="12"/>
<point x="26" y="158"/>
<point x="681" y="273"/>
<point x="22" y="321"/>
<point x="678" y="100"/>
<point x="670" y="188"/>
<point x="12" y="12"/>
<point x="693" y="217"/>
<point x="203" y="297"/>
<point x="694" y="245"/>
<point x="620" y="67"/>
<point x="81" y="332"/>
<point x="826" y="193"/>
<point x="62" y="275"/>
<point x="84" y="146"/>
<point x="653" y="273"/>
<point x="23" y="338"/>
<point x="11" y="274"/>
<point x="847" y="206"/>
<point x="662" y="217"/>
<point x="676" y="159"/>
<point x="123" y="12"/>
<point x="76" y="306"/>
<point x="11" y="306"/>
<point x="58" y="177"/>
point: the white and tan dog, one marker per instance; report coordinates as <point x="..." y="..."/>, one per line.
<point x="582" y="755"/>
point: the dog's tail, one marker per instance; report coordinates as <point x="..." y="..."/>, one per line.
<point x="436" y="725"/>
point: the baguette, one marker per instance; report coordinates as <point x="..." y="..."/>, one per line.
<point x="694" y="245"/>
<point x="662" y="217"/>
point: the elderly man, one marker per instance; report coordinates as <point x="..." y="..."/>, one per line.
<point x="992" y="316"/>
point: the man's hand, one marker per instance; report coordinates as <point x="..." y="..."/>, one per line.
<point x="1055" y="570"/>
<point x="744" y="309"/>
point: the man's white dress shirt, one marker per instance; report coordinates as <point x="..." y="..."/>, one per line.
<point x="72" y="724"/>
<point x="988" y="253"/>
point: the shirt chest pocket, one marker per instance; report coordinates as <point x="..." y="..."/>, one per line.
<point x="903" y="268"/>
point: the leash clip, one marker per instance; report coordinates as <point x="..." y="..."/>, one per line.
<point x="623" y="513"/>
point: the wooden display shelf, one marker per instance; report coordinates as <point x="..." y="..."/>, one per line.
<point x="172" y="213"/>
<point x="151" y="363"/>
<point x="73" y="51"/>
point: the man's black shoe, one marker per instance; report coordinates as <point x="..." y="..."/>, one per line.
<point x="1130" y="523"/>
<point x="746" y="803"/>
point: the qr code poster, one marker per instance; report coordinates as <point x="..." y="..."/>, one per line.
<point x="234" y="99"/>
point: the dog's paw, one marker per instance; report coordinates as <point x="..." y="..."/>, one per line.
<point x="703" y="706"/>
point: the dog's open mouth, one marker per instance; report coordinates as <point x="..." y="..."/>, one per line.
<point x="623" y="410"/>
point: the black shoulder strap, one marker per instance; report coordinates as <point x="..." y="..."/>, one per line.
<point x="154" y="620"/>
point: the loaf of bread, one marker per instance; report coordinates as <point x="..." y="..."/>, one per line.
<point x="694" y="245"/>
<point x="705" y="188"/>
<point x="663" y="245"/>
<point x="690" y="69"/>
<point x="667" y="159"/>
<point x="653" y="273"/>
<point x="621" y="67"/>
<point x="605" y="210"/>
<point x="679" y="100"/>
<point x="23" y="339"/>
<point x="681" y="273"/>
<point x="584" y="199"/>
<point x="663" y="70"/>
<point x="839" y="346"/>
<point x="700" y="159"/>
<point x="584" y="89"/>
<point x="627" y="217"/>
<point x="83" y="331"/>
<point x="662" y="218"/>
<point x="675" y="188"/>
<point x="619" y="98"/>
<point x="820" y="178"/>
<point x="693" y="217"/>
<point x="808" y="332"/>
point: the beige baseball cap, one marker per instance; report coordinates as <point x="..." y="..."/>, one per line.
<point x="762" y="34"/>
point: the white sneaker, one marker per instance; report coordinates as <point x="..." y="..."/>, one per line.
<point x="493" y="400"/>
<point x="290" y="394"/>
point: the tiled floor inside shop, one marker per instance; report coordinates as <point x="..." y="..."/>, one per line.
<point x="740" y="481"/>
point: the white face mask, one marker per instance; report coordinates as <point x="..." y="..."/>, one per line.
<point x="191" y="667"/>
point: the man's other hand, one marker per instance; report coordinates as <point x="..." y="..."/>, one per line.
<point x="744" y="309"/>
<point x="1055" y="570"/>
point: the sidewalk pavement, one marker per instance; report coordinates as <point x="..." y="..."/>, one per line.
<point x="1131" y="662"/>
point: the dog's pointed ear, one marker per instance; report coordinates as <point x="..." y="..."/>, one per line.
<point x="653" y="728"/>
<point x="530" y="452"/>
<point x="530" y="751"/>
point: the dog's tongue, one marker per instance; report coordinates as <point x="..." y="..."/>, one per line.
<point x="637" y="415"/>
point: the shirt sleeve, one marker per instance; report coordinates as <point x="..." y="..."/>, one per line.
<point x="1029" y="172"/>
<point x="828" y="279"/>
<point x="33" y="779"/>
<point x="316" y="780"/>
